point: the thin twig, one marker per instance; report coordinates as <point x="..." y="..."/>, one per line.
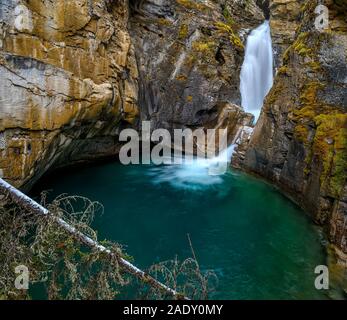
<point x="27" y="203"/>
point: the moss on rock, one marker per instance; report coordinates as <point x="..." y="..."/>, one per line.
<point x="192" y="5"/>
<point x="330" y="145"/>
<point x="183" y="32"/>
<point x="233" y="37"/>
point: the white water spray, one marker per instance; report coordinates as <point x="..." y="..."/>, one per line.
<point x="193" y="174"/>
<point x="257" y="70"/>
<point x="256" y="82"/>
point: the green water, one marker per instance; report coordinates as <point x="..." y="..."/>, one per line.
<point x="260" y="244"/>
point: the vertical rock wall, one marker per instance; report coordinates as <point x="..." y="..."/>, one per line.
<point x="68" y="77"/>
<point x="285" y="18"/>
<point x="189" y="56"/>
<point x="300" y="140"/>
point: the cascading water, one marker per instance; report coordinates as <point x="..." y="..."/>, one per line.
<point x="257" y="70"/>
<point x="256" y="82"/>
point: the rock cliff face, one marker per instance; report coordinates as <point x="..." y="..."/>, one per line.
<point x="69" y="75"/>
<point x="189" y="57"/>
<point x="68" y="78"/>
<point x="300" y="140"/>
<point x="285" y="16"/>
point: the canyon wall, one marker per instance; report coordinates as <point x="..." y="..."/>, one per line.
<point x="68" y="81"/>
<point x="189" y="57"/>
<point x="285" y="17"/>
<point x="300" y="140"/>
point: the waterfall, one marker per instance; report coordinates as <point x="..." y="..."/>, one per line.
<point x="256" y="77"/>
<point x="256" y="81"/>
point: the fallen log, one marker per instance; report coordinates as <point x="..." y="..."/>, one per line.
<point x="27" y="203"/>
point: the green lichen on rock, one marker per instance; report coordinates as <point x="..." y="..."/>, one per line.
<point x="221" y="26"/>
<point x="309" y="93"/>
<point x="183" y="32"/>
<point x="227" y="15"/>
<point x="181" y="77"/>
<point x="233" y="37"/>
<point x="301" y="133"/>
<point x="307" y="47"/>
<point x="286" y="54"/>
<point x="305" y="115"/>
<point x="314" y="66"/>
<point x="164" y="22"/>
<point x="273" y="95"/>
<point x="192" y="5"/>
<point x="300" y="45"/>
<point x="283" y="70"/>
<point x="339" y="174"/>
<point x="308" y="101"/>
<point x="330" y="145"/>
<point x="207" y="46"/>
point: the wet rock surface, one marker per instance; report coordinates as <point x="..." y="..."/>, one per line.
<point x="300" y="140"/>
<point x="70" y="81"/>
<point x="189" y="56"/>
<point x="68" y="78"/>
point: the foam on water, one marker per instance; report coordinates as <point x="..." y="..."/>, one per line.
<point x="194" y="174"/>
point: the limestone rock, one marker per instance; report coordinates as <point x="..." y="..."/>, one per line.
<point x="189" y="56"/>
<point x="300" y="140"/>
<point x="68" y="77"/>
<point x="284" y="20"/>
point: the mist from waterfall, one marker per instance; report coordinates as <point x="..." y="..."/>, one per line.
<point x="256" y="77"/>
<point x="195" y="174"/>
<point x="256" y="81"/>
